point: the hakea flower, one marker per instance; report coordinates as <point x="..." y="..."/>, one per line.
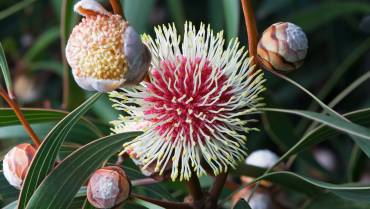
<point x="103" y="51"/>
<point x="196" y="101"/>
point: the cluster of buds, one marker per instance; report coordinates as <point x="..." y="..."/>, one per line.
<point x="16" y="164"/>
<point x="108" y="187"/>
<point x="104" y="51"/>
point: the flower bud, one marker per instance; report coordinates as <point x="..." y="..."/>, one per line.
<point x="283" y="46"/>
<point x="107" y="187"/>
<point x="104" y="52"/>
<point x="262" y="158"/>
<point x="16" y="163"/>
<point x="259" y="199"/>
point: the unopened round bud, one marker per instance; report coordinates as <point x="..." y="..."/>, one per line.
<point x="107" y="187"/>
<point x="259" y="199"/>
<point x="283" y="46"/>
<point x="17" y="162"/>
<point x="262" y="158"/>
<point x="104" y="52"/>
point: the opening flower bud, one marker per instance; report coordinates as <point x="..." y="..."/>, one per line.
<point x="283" y="46"/>
<point x="104" y="52"/>
<point x="107" y="187"/>
<point x="16" y="163"/>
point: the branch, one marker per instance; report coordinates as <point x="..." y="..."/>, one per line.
<point x="162" y="203"/>
<point x="116" y="6"/>
<point x="250" y="23"/>
<point x="21" y="117"/>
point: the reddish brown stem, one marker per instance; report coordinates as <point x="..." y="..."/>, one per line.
<point x="194" y="188"/>
<point x="144" y="181"/>
<point x="162" y="203"/>
<point x="218" y="184"/>
<point x="116" y="6"/>
<point x="250" y="23"/>
<point x="21" y="117"/>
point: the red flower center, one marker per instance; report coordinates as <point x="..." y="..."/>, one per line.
<point x="187" y="96"/>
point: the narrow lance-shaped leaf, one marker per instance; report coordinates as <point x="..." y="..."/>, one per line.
<point x="309" y="185"/>
<point x="242" y="204"/>
<point x="73" y="172"/>
<point x="5" y="70"/>
<point x="45" y="157"/>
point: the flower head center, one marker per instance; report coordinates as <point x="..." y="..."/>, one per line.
<point x="186" y="96"/>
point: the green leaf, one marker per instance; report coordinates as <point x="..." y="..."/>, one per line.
<point x="324" y="132"/>
<point x="7" y="192"/>
<point x="50" y="65"/>
<point x="330" y="201"/>
<point x="5" y="70"/>
<point x="73" y="171"/>
<point x="356" y="164"/>
<point x="12" y="205"/>
<point x="313" y="187"/>
<point x="340" y="72"/>
<point x="15" y="8"/>
<point x="232" y="17"/>
<point x="327" y="12"/>
<point x="33" y="115"/>
<point x="45" y="157"/>
<point x="36" y="115"/>
<point x="330" y="121"/>
<point x="76" y="204"/>
<point x="47" y="38"/>
<point x="242" y="204"/>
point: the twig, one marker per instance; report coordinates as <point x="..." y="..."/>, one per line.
<point x="116" y="6"/>
<point x="250" y="24"/>
<point x="144" y="181"/>
<point x="162" y="203"/>
<point x="21" y="117"/>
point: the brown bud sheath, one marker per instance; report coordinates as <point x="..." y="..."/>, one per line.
<point x="107" y="187"/>
<point x="16" y="163"/>
<point x="283" y="47"/>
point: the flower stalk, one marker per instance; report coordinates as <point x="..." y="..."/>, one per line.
<point x="21" y="117"/>
<point x="250" y="24"/>
<point x="194" y="188"/>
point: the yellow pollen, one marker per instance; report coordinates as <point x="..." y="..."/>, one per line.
<point x="95" y="48"/>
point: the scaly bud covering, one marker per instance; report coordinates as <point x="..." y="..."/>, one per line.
<point x="104" y="51"/>
<point x="108" y="187"/>
<point x="197" y="101"/>
<point x="283" y="46"/>
<point x="16" y="163"/>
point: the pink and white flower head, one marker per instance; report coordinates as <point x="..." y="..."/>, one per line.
<point x="197" y="100"/>
<point x="103" y="51"/>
